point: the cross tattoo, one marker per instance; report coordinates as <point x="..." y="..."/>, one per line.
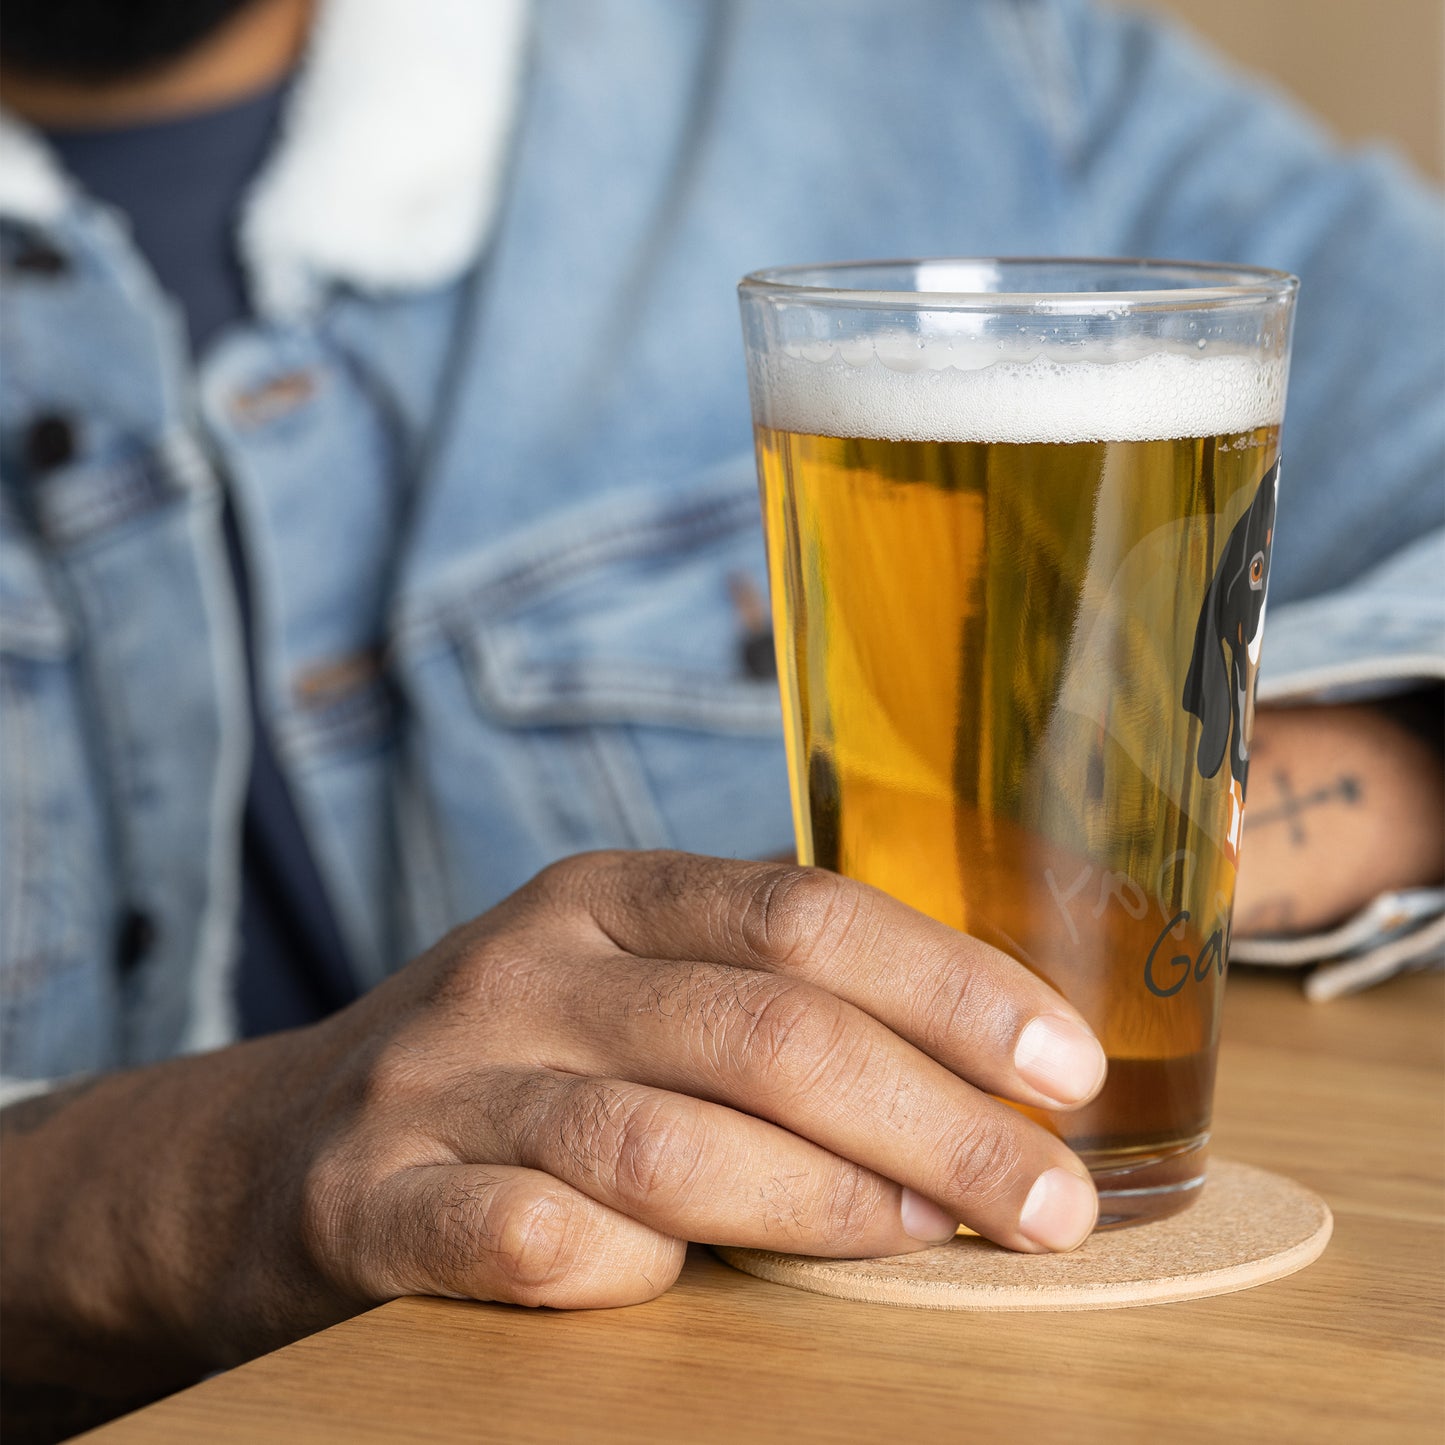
<point x="1346" y="789"/>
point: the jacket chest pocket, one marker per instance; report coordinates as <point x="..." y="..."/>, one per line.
<point x="606" y="681"/>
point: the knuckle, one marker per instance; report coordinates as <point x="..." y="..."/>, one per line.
<point x="665" y="881"/>
<point x="561" y="878"/>
<point x="853" y="1204"/>
<point x="342" y="1202"/>
<point x="692" y="993"/>
<point x="593" y="887"/>
<point x="791" y="913"/>
<point x="505" y="1101"/>
<point x="984" y="1160"/>
<point x="667" y="876"/>
<point x="456" y="1235"/>
<point x="630" y="1142"/>
<point x="965" y="1003"/>
<point x="588" y="1125"/>
<point x="656" y="1158"/>
<point x="793" y="1033"/>
<point x="533" y="1246"/>
<point x="570" y="884"/>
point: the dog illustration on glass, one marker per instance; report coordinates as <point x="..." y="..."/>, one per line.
<point x="1220" y="691"/>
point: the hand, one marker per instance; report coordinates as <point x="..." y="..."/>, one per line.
<point x="1344" y="803"/>
<point x="633" y="1051"/>
<point x="640" y="1050"/>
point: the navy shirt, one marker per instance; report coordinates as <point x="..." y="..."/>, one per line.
<point x="180" y="183"/>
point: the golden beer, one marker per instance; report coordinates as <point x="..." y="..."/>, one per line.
<point x="996" y="595"/>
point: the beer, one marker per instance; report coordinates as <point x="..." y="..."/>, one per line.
<point x="991" y="585"/>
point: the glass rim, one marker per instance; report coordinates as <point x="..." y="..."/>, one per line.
<point x="1208" y="285"/>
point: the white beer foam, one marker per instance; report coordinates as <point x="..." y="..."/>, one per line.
<point x="897" y="389"/>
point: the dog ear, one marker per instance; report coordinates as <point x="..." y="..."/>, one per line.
<point x="1206" y="686"/>
<point x="1239" y="683"/>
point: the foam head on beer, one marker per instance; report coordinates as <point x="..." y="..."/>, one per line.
<point x="899" y="387"/>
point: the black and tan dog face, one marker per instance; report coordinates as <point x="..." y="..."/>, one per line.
<point x="1219" y="691"/>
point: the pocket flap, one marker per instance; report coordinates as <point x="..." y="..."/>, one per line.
<point x="640" y="608"/>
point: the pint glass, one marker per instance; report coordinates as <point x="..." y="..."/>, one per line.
<point x="1019" y="518"/>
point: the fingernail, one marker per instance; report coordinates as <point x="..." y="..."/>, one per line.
<point x="923" y="1219"/>
<point x="1060" y="1059"/>
<point x="1060" y="1210"/>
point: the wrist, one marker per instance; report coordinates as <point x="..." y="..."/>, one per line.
<point x="144" y="1222"/>
<point x="242" y="1280"/>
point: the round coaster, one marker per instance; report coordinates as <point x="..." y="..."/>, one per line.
<point x="1247" y="1227"/>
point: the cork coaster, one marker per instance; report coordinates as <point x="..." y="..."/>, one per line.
<point x="1248" y="1227"/>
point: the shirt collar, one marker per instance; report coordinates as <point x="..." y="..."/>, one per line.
<point x="389" y="168"/>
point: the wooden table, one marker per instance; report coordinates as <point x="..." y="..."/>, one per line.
<point x="1345" y="1096"/>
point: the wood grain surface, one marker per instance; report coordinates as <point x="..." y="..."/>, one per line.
<point x="1345" y="1097"/>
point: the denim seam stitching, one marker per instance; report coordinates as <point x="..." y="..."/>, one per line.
<point x="566" y="563"/>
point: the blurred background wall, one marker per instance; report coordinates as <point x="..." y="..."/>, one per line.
<point x="1372" y="68"/>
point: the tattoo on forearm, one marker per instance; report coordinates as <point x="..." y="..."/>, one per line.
<point x="25" y="1116"/>
<point x="1292" y="806"/>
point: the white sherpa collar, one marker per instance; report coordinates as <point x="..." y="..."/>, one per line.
<point x="391" y="158"/>
<point x="31" y="185"/>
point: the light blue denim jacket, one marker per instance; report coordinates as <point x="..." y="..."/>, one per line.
<point x="497" y="514"/>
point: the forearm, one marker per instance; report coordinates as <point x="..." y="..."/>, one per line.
<point x="132" y="1211"/>
<point x="1344" y="803"/>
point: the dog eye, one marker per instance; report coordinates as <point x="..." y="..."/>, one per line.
<point x="1256" y="571"/>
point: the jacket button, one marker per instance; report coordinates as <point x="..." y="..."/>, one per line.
<point x="755" y="649"/>
<point x="49" y="442"/>
<point x="38" y="258"/>
<point x="759" y="660"/>
<point x="135" y="936"/>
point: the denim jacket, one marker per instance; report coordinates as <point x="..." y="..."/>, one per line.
<point x="488" y="437"/>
